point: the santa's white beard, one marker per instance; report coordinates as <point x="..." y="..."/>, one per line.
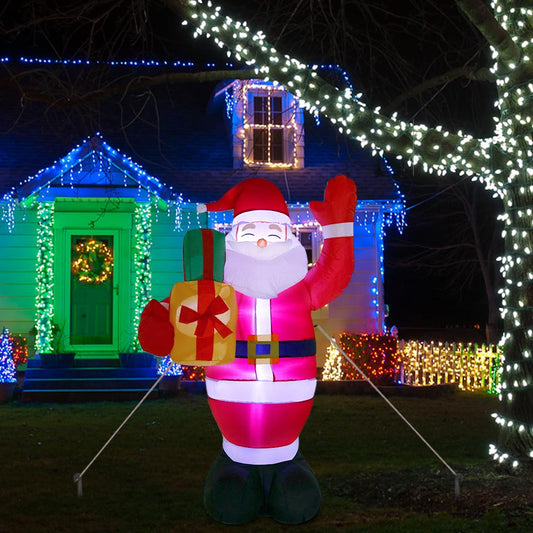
<point x="264" y="272"/>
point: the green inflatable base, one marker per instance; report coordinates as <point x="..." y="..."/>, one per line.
<point x="237" y="493"/>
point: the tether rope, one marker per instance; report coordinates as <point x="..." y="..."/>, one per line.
<point x="78" y="476"/>
<point x="458" y="477"/>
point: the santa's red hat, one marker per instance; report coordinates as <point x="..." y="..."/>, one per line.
<point x="253" y="200"/>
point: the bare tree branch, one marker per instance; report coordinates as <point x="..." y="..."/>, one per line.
<point x="471" y="73"/>
<point x="141" y="82"/>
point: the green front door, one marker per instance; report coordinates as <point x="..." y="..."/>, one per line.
<point x="92" y="276"/>
<point x="92" y="292"/>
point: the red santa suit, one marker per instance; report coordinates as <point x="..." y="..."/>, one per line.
<point x="262" y="400"/>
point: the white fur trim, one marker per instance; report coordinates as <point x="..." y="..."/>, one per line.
<point x="261" y="391"/>
<point x="263" y="326"/>
<point x="342" y="229"/>
<point x="260" y="456"/>
<point x="261" y="215"/>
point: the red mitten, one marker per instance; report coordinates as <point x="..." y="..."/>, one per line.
<point x="340" y="199"/>
<point x="156" y="333"/>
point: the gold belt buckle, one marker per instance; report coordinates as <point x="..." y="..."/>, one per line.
<point x="263" y="349"/>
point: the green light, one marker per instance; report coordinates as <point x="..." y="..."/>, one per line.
<point x="142" y="266"/>
<point x="44" y="301"/>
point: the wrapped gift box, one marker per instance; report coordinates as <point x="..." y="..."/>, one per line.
<point x="204" y="315"/>
<point x="203" y="310"/>
<point x="204" y="254"/>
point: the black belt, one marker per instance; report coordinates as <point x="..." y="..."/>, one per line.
<point x="276" y="348"/>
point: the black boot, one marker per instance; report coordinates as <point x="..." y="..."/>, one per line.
<point x="233" y="492"/>
<point x="294" y="495"/>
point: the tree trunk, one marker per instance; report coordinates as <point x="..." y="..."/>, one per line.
<point x="516" y="420"/>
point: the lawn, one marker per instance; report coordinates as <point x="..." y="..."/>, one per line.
<point x="376" y="476"/>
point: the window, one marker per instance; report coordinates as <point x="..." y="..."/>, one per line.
<point x="268" y="126"/>
<point x="91" y="289"/>
<point x="271" y="137"/>
<point x="310" y="238"/>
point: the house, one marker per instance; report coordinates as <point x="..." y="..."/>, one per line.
<point x="96" y="229"/>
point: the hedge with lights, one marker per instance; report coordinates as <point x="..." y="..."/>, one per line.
<point x="20" y="348"/>
<point x="169" y="368"/>
<point x="502" y="163"/>
<point x="376" y="355"/>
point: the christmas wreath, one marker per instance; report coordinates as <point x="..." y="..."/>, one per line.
<point x="93" y="262"/>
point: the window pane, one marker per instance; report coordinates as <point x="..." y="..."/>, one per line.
<point x="91" y="290"/>
<point x="276" y="110"/>
<point x="260" y="110"/>
<point x="276" y="147"/>
<point x="306" y="238"/>
<point x="260" y="145"/>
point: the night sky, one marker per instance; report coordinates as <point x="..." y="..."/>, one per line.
<point x="387" y="47"/>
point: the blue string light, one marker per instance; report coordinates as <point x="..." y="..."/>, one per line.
<point x="123" y="63"/>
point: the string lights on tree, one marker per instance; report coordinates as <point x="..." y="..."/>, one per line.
<point x="7" y="365"/>
<point x="502" y="163"/>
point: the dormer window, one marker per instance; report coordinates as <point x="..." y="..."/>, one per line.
<point x="267" y="126"/>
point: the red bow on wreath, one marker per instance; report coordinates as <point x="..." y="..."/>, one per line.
<point x="207" y="318"/>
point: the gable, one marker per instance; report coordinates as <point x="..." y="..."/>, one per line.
<point x="92" y="169"/>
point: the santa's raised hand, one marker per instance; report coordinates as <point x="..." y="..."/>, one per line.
<point x="338" y="206"/>
<point x="335" y="214"/>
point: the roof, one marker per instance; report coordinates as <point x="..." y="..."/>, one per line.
<point x="188" y="150"/>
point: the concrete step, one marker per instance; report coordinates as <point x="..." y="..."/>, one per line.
<point x="90" y="379"/>
<point x="84" y="362"/>
<point x="88" y="373"/>
<point x="89" y="384"/>
<point x="98" y="395"/>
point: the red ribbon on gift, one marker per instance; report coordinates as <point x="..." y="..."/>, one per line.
<point x="209" y="306"/>
<point x="216" y="307"/>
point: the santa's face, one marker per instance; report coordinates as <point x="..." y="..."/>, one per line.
<point x="261" y="233"/>
<point x="263" y="258"/>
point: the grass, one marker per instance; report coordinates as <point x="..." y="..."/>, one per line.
<point x="150" y="478"/>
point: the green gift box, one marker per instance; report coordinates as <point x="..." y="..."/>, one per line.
<point x="204" y="254"/>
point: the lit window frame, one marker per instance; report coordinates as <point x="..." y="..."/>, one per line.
<point x="291" y="126"/>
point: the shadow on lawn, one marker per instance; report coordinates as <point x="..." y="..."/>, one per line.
<point x="430" y="490"/>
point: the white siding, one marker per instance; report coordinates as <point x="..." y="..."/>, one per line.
<point x="354" y="310"/>
<point x="167" y="252"/>
<point x="18" y="255"/>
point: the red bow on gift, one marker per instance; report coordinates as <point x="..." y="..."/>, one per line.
<point x="207" y="318"/>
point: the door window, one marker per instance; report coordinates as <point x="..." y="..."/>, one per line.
<point x="91" y="289"/>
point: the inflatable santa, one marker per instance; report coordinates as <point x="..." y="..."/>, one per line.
<point x="262" y="399"/>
